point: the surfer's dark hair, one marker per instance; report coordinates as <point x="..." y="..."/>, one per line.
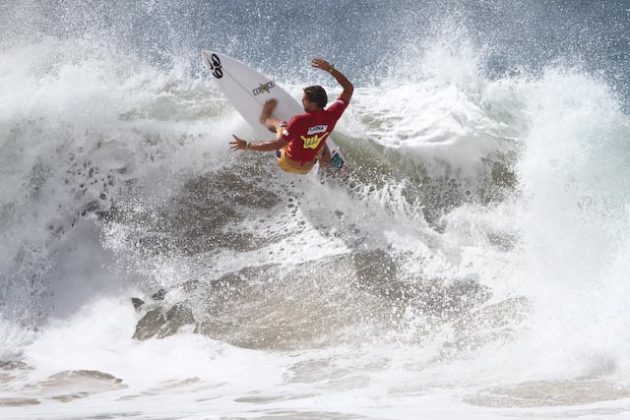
<point x="317" y="95"/>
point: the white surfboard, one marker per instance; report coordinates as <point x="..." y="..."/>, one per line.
<point x="248" y="90"/>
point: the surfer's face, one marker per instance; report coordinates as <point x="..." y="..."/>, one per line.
<point x="308" y="105"/>
<point x="314" y="98"/>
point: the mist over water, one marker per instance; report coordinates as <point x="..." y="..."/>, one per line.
<point x="472" y="263"/>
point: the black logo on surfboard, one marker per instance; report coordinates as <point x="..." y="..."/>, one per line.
<point x="263" y="88"/>
<point x="215" y="66"/>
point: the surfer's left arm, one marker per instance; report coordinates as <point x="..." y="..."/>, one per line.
<point x="266" y="146"/>
<point x="346" y="85"/>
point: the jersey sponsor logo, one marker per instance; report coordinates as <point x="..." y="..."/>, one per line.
<point x="316" y="130"/>
<point x="215" y="66"/>
<point x="312" y="142"/>
<point x="263" y="88"/>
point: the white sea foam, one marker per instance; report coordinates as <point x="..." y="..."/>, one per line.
<point x="557" y="241"/>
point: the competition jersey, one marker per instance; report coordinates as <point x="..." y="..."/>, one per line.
<point x="307" y="133"/>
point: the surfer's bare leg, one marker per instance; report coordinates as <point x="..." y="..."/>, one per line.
<point x="324" y="157"/>
<point x="266" y="117"/>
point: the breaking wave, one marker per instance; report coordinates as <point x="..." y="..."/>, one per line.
<point x="477" y="244"/>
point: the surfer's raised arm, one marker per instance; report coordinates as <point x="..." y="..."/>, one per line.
<point x="348" y="87"/>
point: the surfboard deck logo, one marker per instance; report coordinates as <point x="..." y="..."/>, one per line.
<point x="264" y="88"/>
<point x="214" y="62"/>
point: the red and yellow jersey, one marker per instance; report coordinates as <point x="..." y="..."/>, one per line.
<point x="307" y="133"/>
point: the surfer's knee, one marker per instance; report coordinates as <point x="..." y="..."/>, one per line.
<point x="267" y="110"/>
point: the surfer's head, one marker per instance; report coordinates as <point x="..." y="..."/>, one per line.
<point x="314" y="98"/>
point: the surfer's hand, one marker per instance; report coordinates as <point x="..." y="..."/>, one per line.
<point x="238" y="144"/>
<point x="320" y="63"/>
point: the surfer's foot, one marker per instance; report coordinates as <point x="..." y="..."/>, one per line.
<point x="265" y="115"/>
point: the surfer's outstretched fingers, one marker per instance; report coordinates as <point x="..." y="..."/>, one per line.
<point x="320" y="63"/>
<point x="238" y="144"/>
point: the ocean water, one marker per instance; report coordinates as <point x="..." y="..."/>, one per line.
<point x="472" y="262"/>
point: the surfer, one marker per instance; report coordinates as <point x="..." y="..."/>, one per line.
<point x="301" y="142"/>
